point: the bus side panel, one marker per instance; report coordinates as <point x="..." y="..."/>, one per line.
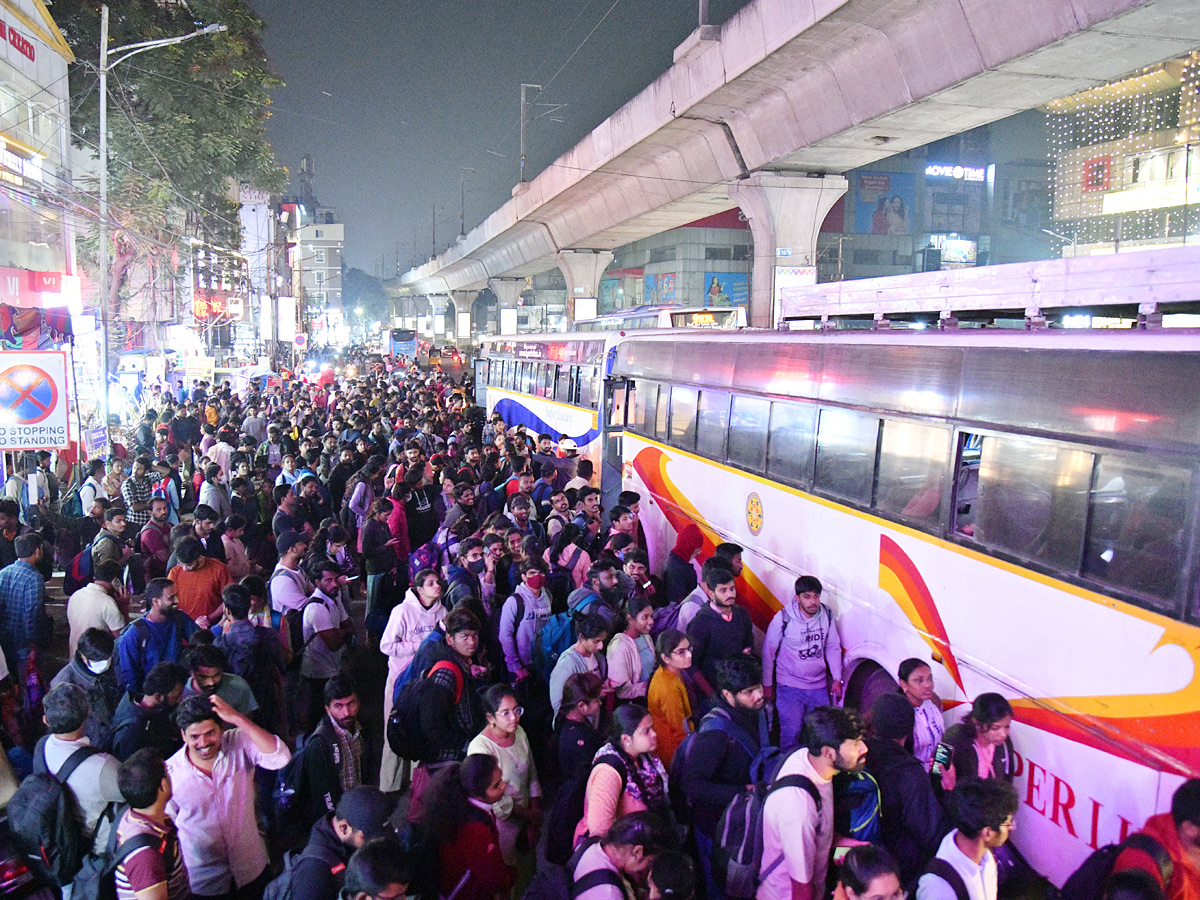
<point x="1094" y="667"/>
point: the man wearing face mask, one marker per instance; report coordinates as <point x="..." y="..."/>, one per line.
<point x="522" y="617"/>
<point x="91" y="669"/>
<point x="146" y="719"/>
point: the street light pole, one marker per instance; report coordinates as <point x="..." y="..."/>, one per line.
<point x="127" y="50"/>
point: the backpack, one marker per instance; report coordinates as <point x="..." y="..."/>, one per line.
<point x="97" y="879"/>
<point x="161" y="490"/>
<point x="737" y="863"/>
<point x="557" y="635"/>
<point x="45" y="819"/>
<point x="667" y="618"/>
<point x="291" y="630"/>
<point x="554" y="883"/>
<point x="81" y="571"/>
<point x="427" y="556"/>
<point x="561" y="580"/>
<point x="763" y="761"/>
<point x="404" y="724"/>
<point x="411" y="674"/>
<point x="1089" y="880"/>
<point x="857" y="806"/>
<point x="282" y="887"/>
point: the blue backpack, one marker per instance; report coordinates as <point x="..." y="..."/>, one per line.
<point x="857" y="806"/>
<point x="410" y="674"/>
<point x="558" y="634"/>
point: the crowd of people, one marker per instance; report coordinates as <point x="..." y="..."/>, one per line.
<point x="561" y="721"/>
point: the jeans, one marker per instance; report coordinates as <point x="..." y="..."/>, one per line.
<point x="793" y="704"/>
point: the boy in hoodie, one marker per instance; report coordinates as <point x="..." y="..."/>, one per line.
<point x="522" y="617"/>
<point x="91" y="669"/>
<point x="802" y="658"/>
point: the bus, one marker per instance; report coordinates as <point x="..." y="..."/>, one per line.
<point x="403" y="342"/>
<point x="1018" y="508"/>
<point x="641" y="317"/>
<point x="552" y="384"/>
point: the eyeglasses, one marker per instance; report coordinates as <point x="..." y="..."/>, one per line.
<point x="682" y="651"/>
<point x="515" y="713"/>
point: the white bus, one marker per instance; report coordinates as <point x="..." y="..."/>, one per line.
<point x="1018" y="508"/>
<point x="638" y="318"/>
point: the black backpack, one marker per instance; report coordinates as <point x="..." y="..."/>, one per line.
<point x="282" y="887"/>
<point x="561" y="581"/>
<point x="404" y="734"/>
<point x="555" y="883"/>
<point x="1089" y="880"/>
<point x="46" y="821"/>
<point x="97" y="879"/>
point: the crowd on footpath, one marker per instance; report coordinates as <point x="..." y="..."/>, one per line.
<point x="560" y="720"/>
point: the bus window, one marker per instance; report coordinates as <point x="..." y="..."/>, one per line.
<point x="791" y="453"/>
<point x="712" y="424"/>
<point x="547" y="388"/>
<point x="1032" y="500"/>
<point x="562" y="385"/>
<point x="637" y="405"/>
<point x="683" y="417"/>
<point x="594" y="380"/>
<point x="1136" y="525"/>
<point x="616" y="406"/>
<point x="573" y="388"/>
<point x="589" y="387"/>
<point x="913" y="459"/>
<point x="527" y="377"/>
<point x="648" y="395"/>
<point x="748" y="432"/>
<point x="510" y="374"/>
<point x="660" y="413"/>
<point x="846" y="444"/>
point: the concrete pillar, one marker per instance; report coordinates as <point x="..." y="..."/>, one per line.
<point x="785" y="213"/>
<point x="582" y="270"/>
<point x="463" y="301"/>
<point x="507" y="290"/>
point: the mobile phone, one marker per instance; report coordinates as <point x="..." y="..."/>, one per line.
<point x="352" y="578"/>
<point x="839" y="854"/>
<point x="943" y="756"/>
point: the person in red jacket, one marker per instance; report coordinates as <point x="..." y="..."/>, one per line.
<point x="458" y="815"/>
<point x="1179" y="834"/>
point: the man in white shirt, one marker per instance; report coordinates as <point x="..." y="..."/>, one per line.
<point x="95" y="605"/>
<point x="289" y="587"/>
<point x="93" y="485"/>
<point x="212" y="802"/>
<point x="94" y="780"/>
<point x="326" y="628"/>
<point x="982" y="813"/>
<point x="794" y="869"/>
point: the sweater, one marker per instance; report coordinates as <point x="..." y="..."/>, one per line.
<point x="798" y="649"/>
<point x="671" y="710"/>
<point x="625" y="666"/>
<point x="714" y="639"/>
<point x="517" y="638"/>
<point x="408" y="625"/>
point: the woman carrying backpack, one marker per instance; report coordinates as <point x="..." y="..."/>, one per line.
<point x="626" y="775"/>
<point x="608" y="868"/>
<point x="458" y="816"/>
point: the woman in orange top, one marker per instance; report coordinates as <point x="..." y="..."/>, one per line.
<point x="667" y="697"/>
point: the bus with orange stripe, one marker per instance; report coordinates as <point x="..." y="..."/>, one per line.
<point x="1019" y="508"/>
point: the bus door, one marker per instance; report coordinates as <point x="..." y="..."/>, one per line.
<point x="481" y="381"/>
<point x="612" y="426"/>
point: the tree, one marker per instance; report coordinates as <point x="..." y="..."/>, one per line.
<point x="186" y="127"/>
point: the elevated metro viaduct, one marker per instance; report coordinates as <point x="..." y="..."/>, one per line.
<point x="768" y="112"/>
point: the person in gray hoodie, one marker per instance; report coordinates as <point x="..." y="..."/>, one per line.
<point x="802" y="659"/>
<point x="522" y="617"/>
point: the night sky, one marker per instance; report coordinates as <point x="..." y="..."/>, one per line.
<point x="394" y="100"/>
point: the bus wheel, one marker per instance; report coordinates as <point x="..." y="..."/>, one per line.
<point x="868" y="682"/>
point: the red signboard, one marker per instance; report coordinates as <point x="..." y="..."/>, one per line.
<point x="21" y="44"/>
